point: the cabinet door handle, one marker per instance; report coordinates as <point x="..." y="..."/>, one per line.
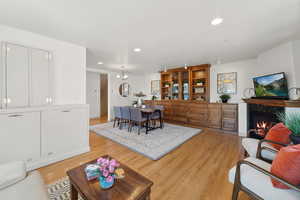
<point x="15" y="115"/>
<point x="66" y="111"/>
<point x="50" y="153"/>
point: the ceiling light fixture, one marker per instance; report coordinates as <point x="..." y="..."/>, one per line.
<point x="216" y="21"/>
<point x="137" y="50"/>
<point x="100" y="63"/>
<point x="123" y="75"/>
<point x="165" y="68"/>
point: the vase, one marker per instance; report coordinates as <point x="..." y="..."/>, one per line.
<point x="139" y="101"/>
<point x="295" y="139"/>
<point x="224" y="100"/>
<point x="104" y="184"/>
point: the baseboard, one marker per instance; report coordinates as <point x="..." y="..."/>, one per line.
<point x="46" y="161"/>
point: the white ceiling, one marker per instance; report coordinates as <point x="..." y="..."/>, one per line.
<point x="169" y="32"/>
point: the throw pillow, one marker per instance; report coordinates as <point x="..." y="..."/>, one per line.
<point x="287" y="166"/>
<point x="279" y="133"/>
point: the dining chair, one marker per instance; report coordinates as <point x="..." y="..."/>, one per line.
<point x="156" y="115"/>
<point x="137" y="119"/>
<point x="125" y="116"/>
<point x="117" y="115"/>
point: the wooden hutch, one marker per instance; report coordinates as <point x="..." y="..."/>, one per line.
<point x="185" y="96"/>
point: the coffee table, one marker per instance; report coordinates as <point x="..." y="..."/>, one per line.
<point x="134" y="186"/>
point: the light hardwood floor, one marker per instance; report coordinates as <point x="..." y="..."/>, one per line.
<point x="197" y="170"/>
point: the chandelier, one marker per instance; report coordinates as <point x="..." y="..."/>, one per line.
<point x="123" y="74"/>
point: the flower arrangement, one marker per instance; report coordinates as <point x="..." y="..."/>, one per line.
<point x="107" y="168"/>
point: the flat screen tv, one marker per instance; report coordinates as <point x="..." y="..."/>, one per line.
<point x="273" y="86"/>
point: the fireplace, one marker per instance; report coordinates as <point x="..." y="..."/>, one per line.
<point x="261" y="118"/>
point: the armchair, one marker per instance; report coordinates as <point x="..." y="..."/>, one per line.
<point x="253" y="177"/>
<point x="260" y="148"/>
<point x="16" y="184"/>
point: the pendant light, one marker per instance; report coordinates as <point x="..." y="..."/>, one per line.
<point x="123" y="74"/>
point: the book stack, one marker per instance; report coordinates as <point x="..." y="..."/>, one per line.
<point x="92" y="171"/>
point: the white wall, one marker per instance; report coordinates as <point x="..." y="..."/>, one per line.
<point x="148" y="79"/>
<point x="137" y="84"/>
<point x="283" y="58"/>
<point x="69" y="63"/>
<point x="296" y="54"/>
<point x="245" y="72"/>
<point x="93" y="93"/>
<point x="278" y="59"/>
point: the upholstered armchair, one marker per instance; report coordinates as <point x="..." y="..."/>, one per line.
<point x="252" y="176"/>
<point x="16" y="184"/>
<point x="261" y="149"/>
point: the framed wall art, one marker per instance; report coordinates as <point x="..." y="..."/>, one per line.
<point x="155" y="87"/>
<point x="227" y="83"/>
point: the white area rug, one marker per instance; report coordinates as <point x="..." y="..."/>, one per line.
<point x="154" y="145"/>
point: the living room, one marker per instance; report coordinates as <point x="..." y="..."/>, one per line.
<point x="140" y="100"/>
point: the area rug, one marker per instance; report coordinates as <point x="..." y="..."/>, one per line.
<point x="60" y="190"/>
<point x="153" y="145"/>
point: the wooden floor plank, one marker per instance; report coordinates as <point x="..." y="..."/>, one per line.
<point x="197" y="170"/>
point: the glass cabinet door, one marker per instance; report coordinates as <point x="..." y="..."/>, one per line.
<point x="175" y="85"/>
<point x="185" y="85"/>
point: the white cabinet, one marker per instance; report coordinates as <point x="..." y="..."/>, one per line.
<point x="40" y="78"/>
<point x="43" y="135"/>
<point x="20" y="137"/>
<point x="25" y="76"/>
<point x="64" y="130"/>
<point x="17" y="76"/>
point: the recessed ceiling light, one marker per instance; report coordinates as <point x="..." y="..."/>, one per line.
<point x="137" y="50"/>
<point x="100" y="63"/>
<point x="216" y="21"/>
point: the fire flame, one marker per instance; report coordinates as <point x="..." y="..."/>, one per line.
<point x="261" y="125"/>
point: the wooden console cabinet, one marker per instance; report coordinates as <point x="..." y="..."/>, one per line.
<point x="200" y="114"/>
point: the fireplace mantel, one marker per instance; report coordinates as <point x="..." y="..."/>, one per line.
<point x="274" y="102"/>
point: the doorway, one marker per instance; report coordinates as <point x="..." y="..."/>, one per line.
<point x="97" y="96"/>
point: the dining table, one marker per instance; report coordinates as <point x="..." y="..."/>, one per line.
<point x="148" y="112"/>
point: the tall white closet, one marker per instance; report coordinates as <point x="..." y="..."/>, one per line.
<point x="32" y="129"/>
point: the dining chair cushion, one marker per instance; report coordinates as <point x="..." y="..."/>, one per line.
<point x="261" y="184"/>
<point x="251" y="144"/>
<point x="286" y="165"/>
<point x="279" y="133"/>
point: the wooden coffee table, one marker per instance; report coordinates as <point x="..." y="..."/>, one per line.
<point x="134" y="186"/>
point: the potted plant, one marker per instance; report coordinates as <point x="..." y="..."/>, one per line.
<point x="224" y="98"/>
<point x="292" y="122"/>
<point x="199" y="82"/>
